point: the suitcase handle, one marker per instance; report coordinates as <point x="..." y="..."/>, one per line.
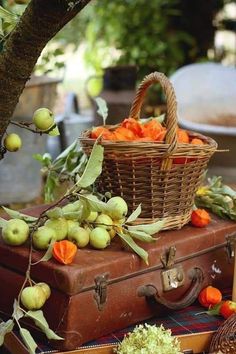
<point x="189" y="297"/>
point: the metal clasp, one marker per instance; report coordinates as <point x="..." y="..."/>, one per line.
<point x="230" y="247"/>
<point x="172" y="276"/>
<point x="168" y="258"/>
<point x="101" y="290"/>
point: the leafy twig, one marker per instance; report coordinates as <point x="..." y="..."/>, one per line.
<point x="26" y="126"/>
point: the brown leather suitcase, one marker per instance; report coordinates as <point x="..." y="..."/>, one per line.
<point x="103" y="291"/>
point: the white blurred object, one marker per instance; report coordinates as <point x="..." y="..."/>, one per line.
<point x="206" y="94"/>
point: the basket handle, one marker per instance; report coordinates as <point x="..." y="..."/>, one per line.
<point x="171" y="120"/>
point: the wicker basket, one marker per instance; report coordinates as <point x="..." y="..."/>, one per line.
<point x="147" y="172"/>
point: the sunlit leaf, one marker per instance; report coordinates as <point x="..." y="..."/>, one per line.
<point x="48" y="253"/>
<point x="8" y="16"/>
<point x="102" y="108"/>
<point x="94" y="203"/>
<point x="1" y="28"/>
<point x="142" y="236"/>
<point x="134" y="214"/>
<point x="3" y="222"/>
<point x="150" y="229"/>
<point x="54" y="131"/>
<point x="38" y="157"/>
<point x="93" y="168"/>
<point x="54" y="213"/>
<point x="137" y="249"/>
<point x="215" y="310"/>
<point x="14" y="214"/>
<point x="17" y="312"/>
<point x="64" y="153"/>
<point x="28" y="340"/>
<point x="45" y="159"/>
<point x="5" y="327"/>
<point x="49" y="187"/>
<point x="160" y="119"/>
<point x="40" y="321"/>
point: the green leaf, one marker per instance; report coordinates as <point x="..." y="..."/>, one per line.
<point x="28" y="340"/>
<point x="38" y="157"/>
<point x="58" y="51"/>
<point x="134" y="214"/>
<point x="8" y="16"/>
<point x="3" y="222"/>
<point x="54" y="131"/>
<point x="73" y="215"/>
<point x="102" y="108"/>
<point x="49" y="187"/>
<point x="5" y="327"/>
<point x="215" y="310"/>
<point x="17" y="312"/>
<point x="150" y="229"/>
<point x="137" y="249"/>
<point x="54" y="213"/>
<point x="40" y="321"/>
<point x="82" y="160"/>
<point x="160" y="119"/>
<point x="1" y="28"/>
<point x="48" y="254"/>
<point x="44" y="159"/>
<point x="64" y="153"/>
<point x="93" y="168"/>
<point x="14" y="214"/>
<point x="94" y="203"/>
<point x="142" y="236"/>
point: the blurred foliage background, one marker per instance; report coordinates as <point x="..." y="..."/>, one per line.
<point x="165" y="34"/>
<point x="162" y="35"/>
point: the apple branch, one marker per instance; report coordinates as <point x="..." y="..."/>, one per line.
<point x="39" y="23"/>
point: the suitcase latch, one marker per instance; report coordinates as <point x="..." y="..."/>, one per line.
<point x="168" y="258"/>
<point x="231" y="242"/>
<point x="172" y="278"/>
<point x="101" y="290"/>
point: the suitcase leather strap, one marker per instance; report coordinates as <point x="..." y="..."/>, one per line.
<point x="189" y="297"/>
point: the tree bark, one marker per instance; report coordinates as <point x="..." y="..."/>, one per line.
<point x="39" y="23"/>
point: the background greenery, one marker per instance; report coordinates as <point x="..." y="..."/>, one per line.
<point x="164" y="35"/>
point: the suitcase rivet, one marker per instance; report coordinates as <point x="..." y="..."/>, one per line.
<point x="180" y="276"/>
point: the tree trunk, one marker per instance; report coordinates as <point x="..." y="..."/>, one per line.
<point x="39" y="23"/>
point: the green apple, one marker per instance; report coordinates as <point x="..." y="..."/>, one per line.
<point x="45" y="287"/>
<point x="92" y="216"/>
<point x="43" y="119"/>
<point x="33" y="297"/>
<point x="71" y="224"/>
<point x="59" y="226"/>
<point x="117" y="208"/>
<point x="79" y="235"/>
<point x="15" y="232"/>
<point x="99" y="238"/>
<point x="12" y="142"/>
<point x="89" y="228"/>
<point x="104" y="221"/>
<point x="42" y="237"/>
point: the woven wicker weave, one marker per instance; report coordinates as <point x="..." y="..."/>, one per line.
<point x="224" y="340"/>
<point x="144" y="172"/>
